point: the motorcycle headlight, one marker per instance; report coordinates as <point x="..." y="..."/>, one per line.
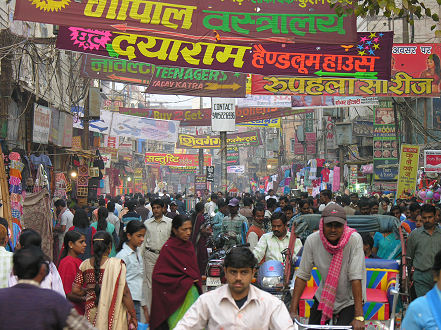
<point x="271" y="282"/>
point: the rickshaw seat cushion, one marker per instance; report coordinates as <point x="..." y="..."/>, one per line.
<point x="309" y="292"/>
<point x="376" y="295"/>
<point x="382" y="264"/>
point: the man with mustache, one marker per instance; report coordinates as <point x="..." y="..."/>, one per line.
<point x="238" y="304"/>
<point x="422" y="246"/>
<point x="272" y="244"/>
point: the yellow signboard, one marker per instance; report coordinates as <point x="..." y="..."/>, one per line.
<point x="274" y="122"/>
<point x="407" y="176"/>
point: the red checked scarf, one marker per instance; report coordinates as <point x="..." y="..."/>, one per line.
<point x="327" y="298"/>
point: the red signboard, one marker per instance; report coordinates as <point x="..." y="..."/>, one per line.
<point x="202" y="117"/>
<point x="152" y="158"/>
<point x="415" y="72"/>
<point x="204" y="20"/>
<point x="368" y="58"/>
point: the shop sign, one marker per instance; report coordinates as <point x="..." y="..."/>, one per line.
<point x="410" y="77"/>
<point x="407" y="176"/>
<point x="245" y="139"/>
<point x="184" y="160"/>
<point x="432" y="161"/>
<point x="236" y="169"/>
<point x="205" y="20"/>
<point x="41" y="124"/>
<point x="163" y="80"/>
<point x="385" y="144"/>
<point x="368" y="58"/>
<point x="223" y="115"/>
<point x="210" y="173"/>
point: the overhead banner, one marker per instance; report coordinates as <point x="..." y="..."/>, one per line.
<point x="407" y="176"/>
<point x="246" y="139"/>
<point x="223" y="114"/>
<point x="184" y="160"/>
<point x="205" y="20"/>
<point x="117" y="124"/>
<point x="165" y="80"/>
<point x="413" y="73"/>
<point x="41" y="124"/>
<point x="275" y="101"/>
<point x="385" y="143"/>
<point x="432" y="161"/>
<point x="373" y="62"/>
<point x="202" y="117"/>
<point x="187" y="117"/>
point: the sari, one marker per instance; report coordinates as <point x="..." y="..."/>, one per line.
<point x="389" y="247"/>
<point x="199" y="241"/>
<point x="174" y="288"/>
<point x="110" y="314"/>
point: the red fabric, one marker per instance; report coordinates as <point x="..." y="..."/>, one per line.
<point x="173" y="275"/>
<point x="254" y="229"/>
<point x="325" y="174"/>
<point x="376" y="295"/>
<point x="68" y="269"/>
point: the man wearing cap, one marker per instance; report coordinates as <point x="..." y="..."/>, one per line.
<point x="232" y="225"/>
<point x="173" y="210"/>
<point x="337" y="252"/>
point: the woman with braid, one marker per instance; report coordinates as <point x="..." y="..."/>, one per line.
<point x="109" y="305"/>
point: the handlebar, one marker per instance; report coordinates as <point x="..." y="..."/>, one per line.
<point x="312" y="326"/>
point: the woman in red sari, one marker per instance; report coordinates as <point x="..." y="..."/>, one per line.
<point x="176" y="278"/>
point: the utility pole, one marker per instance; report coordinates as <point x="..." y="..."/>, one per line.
<point x="201" y="150"/>
<point x="86" y="122"/>
<point x="223" y="141"/>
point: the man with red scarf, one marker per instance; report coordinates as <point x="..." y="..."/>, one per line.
<point x="337" y="252"/>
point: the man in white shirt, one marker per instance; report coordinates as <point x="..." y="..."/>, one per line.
<point x="325" y="199"/>
<point x="272" y="244"/>
<point x="65" y="217"/>
<point x="238" y="304"/>
<point x="211" y="206"/>
<point x="158" y="232"/>
<point x="271" y="194"/>
<point x="5" y="258"/>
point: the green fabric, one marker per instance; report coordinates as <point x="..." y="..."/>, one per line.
<point x="110" y="229"/>
<point x="190" y="298"/>
<point x="422" y="248"/>
<point x="423" y="282"/>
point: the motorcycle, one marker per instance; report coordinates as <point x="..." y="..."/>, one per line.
<point x="214" y="271"/>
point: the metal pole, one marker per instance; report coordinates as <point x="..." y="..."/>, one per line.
<point x="223" y="141"/>
<point x="86" y="122"/>
<point x="201" y="151"/>
<point x="342" y="165"/>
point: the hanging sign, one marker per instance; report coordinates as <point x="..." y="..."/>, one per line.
<point x="413" y="74"/>
<point x="205" y="20"/>
<point x="223" y="115"/>
<point x="432" y="161"/>
<point x="210" y="173"/>
<point x="41" y="124"/>
<point x="407" y="176"/>
<point x="263" y="58"/>
<point x="185" y="160"/>
<point x="245" y="139"/>
<point x="165" y="80"/>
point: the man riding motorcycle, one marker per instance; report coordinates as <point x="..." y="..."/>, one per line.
<point x="272" y="244"/>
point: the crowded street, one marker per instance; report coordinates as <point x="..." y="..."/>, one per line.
<point x="220" y="164"/>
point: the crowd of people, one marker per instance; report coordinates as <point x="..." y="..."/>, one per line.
<point x="119" y="261"/>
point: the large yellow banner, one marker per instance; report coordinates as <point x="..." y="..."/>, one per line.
<point x="407" y="176"/>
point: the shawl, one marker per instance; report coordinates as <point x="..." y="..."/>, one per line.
<point x="173" y="275"/>
<point x="327" y="298"/>
<point x="111" y="313"/>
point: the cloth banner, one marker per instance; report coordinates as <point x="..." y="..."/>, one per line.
<point x="407" y="175"/>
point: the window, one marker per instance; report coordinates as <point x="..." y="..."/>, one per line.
<point x="293" y="142"/>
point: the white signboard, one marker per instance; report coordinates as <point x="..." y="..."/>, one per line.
<point x="223" y="115"/>
<point x="42" y="124"/>
<point x="236" y="169"/>
<point x="432" y="160"/>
